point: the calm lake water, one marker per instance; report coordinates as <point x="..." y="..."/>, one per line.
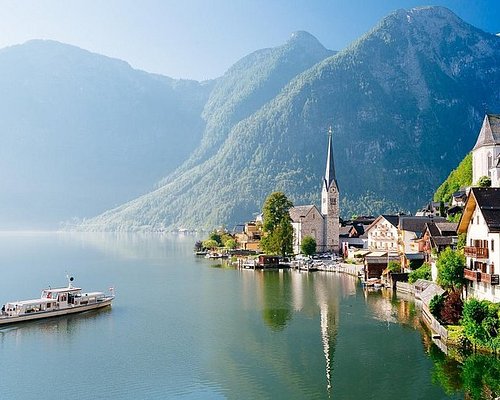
<point x="187" y="328"/>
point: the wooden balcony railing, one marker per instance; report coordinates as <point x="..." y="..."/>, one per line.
<point x="476" y="252"/>
<point x="478" y="276"/>
<point x="491" y="279"/>
<point x="474" y="276"/>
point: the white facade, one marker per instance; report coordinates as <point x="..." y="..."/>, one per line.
<point x="481" y="222"/>
<point x="382" y="235"/>
<point x="479" y="237"/>
<point x="486" y="152"/>
<point x="484" y="163"/>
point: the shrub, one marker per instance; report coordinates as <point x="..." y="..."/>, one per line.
<point x="308" y="246"/>
<point x="394" y="266"/>
<point x="436" y="305"/>
<point x="424" y="272"/>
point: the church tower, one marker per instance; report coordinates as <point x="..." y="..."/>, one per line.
<point x="330" y="202"/>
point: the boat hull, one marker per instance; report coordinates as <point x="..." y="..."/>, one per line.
<point x="5" y="320"/>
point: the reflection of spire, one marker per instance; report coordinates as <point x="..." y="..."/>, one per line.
<point x="326" y="346"/>
<point x="328" y="325"/>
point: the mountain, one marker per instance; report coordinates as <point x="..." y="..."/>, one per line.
<point x="405" y="102"/>
<point x="81" y="133"/>
<point x="248" y="85"/>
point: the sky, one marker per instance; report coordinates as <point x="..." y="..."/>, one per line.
<point x="201" y="39"/>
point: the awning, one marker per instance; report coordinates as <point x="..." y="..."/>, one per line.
<point x="414" y="256"/>
<point x="378" y="254"/>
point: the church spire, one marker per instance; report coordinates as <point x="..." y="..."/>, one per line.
<point x="330" y="166"/>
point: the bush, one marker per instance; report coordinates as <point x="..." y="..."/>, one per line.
<point x="436" y="305"/>
<point x="481" y="323"/>
<point x="308" y="245"/>
<point x="424" y="272"/>
<point x="394" y="266"/>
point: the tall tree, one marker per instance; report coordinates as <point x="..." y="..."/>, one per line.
<point x="450" y="265"/>
<point x="277" y="224"/>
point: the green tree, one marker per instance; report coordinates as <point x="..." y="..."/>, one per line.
<point x="215" y="236"/>
<point x="210" y="244"/>
<point x="277" y="225"/>
<point x="450" y="265"/>
<point x="230" y="244"/>
<point x="484" y="181"/>
<point x="308" y="246"/>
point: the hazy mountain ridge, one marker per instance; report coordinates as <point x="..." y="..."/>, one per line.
<point x="400" y="104"/>
<point x="83" y="132"/>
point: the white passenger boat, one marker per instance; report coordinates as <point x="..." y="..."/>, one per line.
<point x="55" y="302"/>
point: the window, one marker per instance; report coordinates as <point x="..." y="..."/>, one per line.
<point x="477" y="220"/>
<point x="492" y="245"/>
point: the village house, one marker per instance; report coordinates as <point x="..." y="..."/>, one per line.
<point x="353" y="234"/>
<point x="324" y="226"/>
<point x="410" y="230"/>
<point x="437" y="237"/>
<point x="481" y="222"/>
<point x="249" y="238"/>
<point x="383" y="233"/>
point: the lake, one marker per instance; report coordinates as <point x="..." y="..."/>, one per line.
<point x="188" y="328"/>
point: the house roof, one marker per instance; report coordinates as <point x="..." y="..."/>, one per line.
<point x="490" y="131"/>
<point x="417" y="224"/>
<point x="488" y="201"/>
<point x="392" y="219"/>
<point x="300" y="211"/>
<point x="447" y="228"/>
<point x="431" y="290"/>
<point x="344" y="230"/>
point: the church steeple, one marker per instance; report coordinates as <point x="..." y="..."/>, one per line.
<point x="330" y="201"/>
<point x="330" y="165"/>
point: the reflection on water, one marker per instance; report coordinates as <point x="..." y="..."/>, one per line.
<point x="179" y="328"/>
<point x="477" y="375"/>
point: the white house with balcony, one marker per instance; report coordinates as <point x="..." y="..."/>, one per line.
<point x="481" y="222"/>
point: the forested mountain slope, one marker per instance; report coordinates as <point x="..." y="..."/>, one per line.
<point x="405" y="103"/>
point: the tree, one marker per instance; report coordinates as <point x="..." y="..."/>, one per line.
<point x="308" y="246"/>
<point x="484" y="181"/>
<point x="450" y="265"/>
<point x="210" y="244"/>
<point x="452" y="308"/>
<point x="277" y="225"/>
<point x="230" y="244"/>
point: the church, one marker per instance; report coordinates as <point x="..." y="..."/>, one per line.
<point x="322" y="225"/>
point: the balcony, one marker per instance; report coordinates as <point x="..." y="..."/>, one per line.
<point x="476" y="252"/>
<point x="471" y="275"/>
<point x="491" y="279"/>
<point x="478" y="276"/>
